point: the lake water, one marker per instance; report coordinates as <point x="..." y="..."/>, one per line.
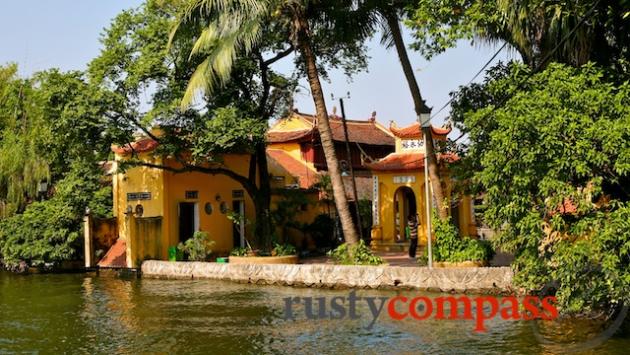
<point x="78" y="313"/>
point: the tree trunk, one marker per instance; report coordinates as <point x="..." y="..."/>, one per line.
<point x="434" y="171"/>
<point x="262" y="200"/>
<point x="325" y="133"/>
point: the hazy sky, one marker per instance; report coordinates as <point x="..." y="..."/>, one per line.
<point x="40" y="34"/>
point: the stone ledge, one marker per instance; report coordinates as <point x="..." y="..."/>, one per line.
<point x="485" y="280"/>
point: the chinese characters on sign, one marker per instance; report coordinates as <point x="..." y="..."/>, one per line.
<point x="408" y="144"/>
<point x="375" y="219"/>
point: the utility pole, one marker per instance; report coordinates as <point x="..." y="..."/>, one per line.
<point x="425" y="122"/>
<point x="349" y="155"/>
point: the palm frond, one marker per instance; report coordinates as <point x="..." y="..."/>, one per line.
<point x="232" y="27"/>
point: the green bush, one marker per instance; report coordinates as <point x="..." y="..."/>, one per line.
<point x="47" y="232"/>
<point x="239" y="251"/>
<point x="198" y="247"/>
<point x="50" y="231"/>
<point x="357" y="254"/>
<point x="283" y="250"/>
<point x="451" y="247"/>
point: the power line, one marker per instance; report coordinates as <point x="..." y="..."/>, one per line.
<point x="471" y="80"/>
<point x="539" y="66"/>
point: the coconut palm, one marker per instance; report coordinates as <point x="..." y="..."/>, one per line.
<point x="536" y="27"/>
<point x="386" y="16"/>
<point x="392" y="31"/>
<point x="231" y="27"/>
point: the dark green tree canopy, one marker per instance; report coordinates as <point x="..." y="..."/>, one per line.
<point x="553" y="162"/>
<point x="533" y="28"/>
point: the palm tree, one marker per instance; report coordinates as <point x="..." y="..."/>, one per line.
<point x="387" y="17"/>
<point x="535" y="28"/>
<point x="236" y="26"/>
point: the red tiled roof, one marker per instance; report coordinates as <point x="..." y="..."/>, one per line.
<point x="407" y="161"/>
<point x="140" y="146"/>
<point x="116" y="257"/>
<point x="364" y="132"/>
<point x="306" y="176"/>
<point x="287" y="136"/>
<point x="413" y="131"/>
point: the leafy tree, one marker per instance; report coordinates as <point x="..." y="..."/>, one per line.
<point x="534" y="28"/>
<point x="49" y="231"/>
<point x="228" y="28"/>
<point x="22" y="128"/>
<point x="554" y="164"/>
<point x="137" y="56"/>
<point x="53" y="130"/>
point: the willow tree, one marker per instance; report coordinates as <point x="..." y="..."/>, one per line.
<point x="231" y="27"/>
<point x="22" y="128"/>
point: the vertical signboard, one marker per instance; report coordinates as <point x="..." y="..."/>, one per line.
<point x="375" y="217"/>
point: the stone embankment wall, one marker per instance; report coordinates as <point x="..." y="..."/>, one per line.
<point x="487" y="280"/>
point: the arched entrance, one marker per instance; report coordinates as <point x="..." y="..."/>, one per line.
<point x="404" y="206"/>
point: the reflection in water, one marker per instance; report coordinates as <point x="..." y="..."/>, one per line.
<point x="88" y="314"/>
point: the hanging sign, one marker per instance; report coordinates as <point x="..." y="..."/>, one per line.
<point x="407" y="179"/>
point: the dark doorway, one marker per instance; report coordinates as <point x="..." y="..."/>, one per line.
<point x="404" y="206"/>
<point x="238" y="228"/>
<point x="186" y="220"/>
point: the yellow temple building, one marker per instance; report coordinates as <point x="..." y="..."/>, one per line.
<point x="399" y="190"/>
<point x="156" y="208"/>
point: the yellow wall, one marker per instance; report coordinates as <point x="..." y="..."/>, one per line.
<point x="293" y="149"/>
<point x="167" y="190"/>
<point x="385" y="232"/>
<point x="387" y="189"/>
<point x="293" y="123"/>
<point x="133" y="180"/>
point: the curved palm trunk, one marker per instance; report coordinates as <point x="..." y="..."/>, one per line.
<point x="434" y="171"/>
<point x="262" y="200"/>
<point x="323" y="125"/>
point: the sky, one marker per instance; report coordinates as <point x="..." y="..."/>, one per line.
<point x="64" y="34"/>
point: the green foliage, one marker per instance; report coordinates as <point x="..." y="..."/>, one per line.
<point x="356" y="254"/>
<point x="289" y="206"/>
<point x="365" y="210"/>
<point x="46" y="232"/>
<point x="533" y="28"/>
<point x="283" y="250"/>
<point x="50" y="231"/>
<point x="554" y="163"/>
<point x="22" y="129"/>
<point x="52" y="128"/>
<point x="227" y="132"/>
<point x="223" y="30"/>
<point x="198" y="247"/>
<point x="451" y="247"/>
<point x="239" y="251"/>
